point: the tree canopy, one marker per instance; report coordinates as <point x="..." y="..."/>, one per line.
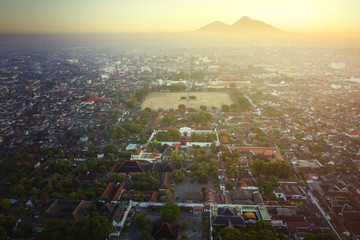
<point x="280" y="169"/>
<point x="170" y="212"/>
<point x="171" y="135"/>
<point x="96" y="228"/>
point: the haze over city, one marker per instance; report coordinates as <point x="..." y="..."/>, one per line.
<point x="320" y="17"/>
<point x="165" y="119"/>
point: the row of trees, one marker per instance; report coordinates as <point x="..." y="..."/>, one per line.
<point x="177" y="88"/>
<point x="241" y="99"/>
<point x="138" y="96"/>
<point x="202" y="137"/>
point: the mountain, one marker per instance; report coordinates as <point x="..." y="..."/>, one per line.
<point x="244" y="25"/>
<point x="216" y="26"/>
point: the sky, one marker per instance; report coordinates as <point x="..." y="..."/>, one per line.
<point x="322" y="17"/>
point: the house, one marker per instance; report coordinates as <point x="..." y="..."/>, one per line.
<point x="211" y="197"/>
<point x="226" y="217"/>
<point x="113" y="192"/>
<point x="241" y="195"/>
<point x="351" y="219"/>
<point x="166" y="231"/>
<point x="145" y="156"/>
<point x="279" y="192"/>
<point x="194" y="197"/>
<point x="127" y="167"/>
<point x="224" y="140"/>
<point x="167" y="182"/>
<point x="68" y="209"/>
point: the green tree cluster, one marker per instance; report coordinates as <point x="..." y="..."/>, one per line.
<point x="179" y="175"/>
<point x="59" y="167"/>
<point x="171" y="135"/>
<point x="169" y="120"/>
<point x="96" y="228"/>
<point x="125" y="130"/>
<point x="145" y="182"/>
<point x="203" y="166"/>
<point x="170" y="212"/>
<point x="320" y="236"/>
<point x="259" y="231"/>
<point x="241" y="99"/>
<point x="116" y="114"/>
<point x="175" y="157"/>
<point x="261" y="136"/>
<point x="202" y="137"/>
<point x="280" y="169"/>
<point x="225" y="108"/>
<point x="200" y="117"/>
<point x="177" y="88"/>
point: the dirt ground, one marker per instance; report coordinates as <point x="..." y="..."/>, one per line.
<point x="172" y="100"/>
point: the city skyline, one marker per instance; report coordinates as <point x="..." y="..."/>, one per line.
<point x="339" y="18"/>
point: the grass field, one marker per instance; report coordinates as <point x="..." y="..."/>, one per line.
<point x="172" y="100"/>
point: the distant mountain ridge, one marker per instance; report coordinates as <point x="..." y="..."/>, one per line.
<point x="244" y="25"/>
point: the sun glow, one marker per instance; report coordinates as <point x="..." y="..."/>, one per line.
<point x="110" y="16"/>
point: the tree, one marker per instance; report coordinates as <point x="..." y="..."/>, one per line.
<point x="183" y="236"/>
<point x="320" y="236"/>
<point x="116" y="114"/>
<point x="116" y="177"/>
<point x="169" y="120"/>
<point x="179" y="175"/>
<point x="102" y="169"/>
<point x="175" y="157"/>
<point x="225" y="108"/>
<point x="141" y="220"/>
<point x="202" y="107"/>
<point x="131" y="103"/>
<point x="168" y="194"/>
<point x="170" y="212"/>
<point x="229" y="233"/>
<point x="184" y="224"/>
<point x="5" y="204"/>
<point x="19" y="190"/>
<point x="96" y="228"/>
<point x="145" y="182"/>
<point x="213" y="147"/>
<point x="229" y="186"/>
<point x="234" y="106"/>
<point x="203" y="177"/>
<point x="181" y="106"/>
<point x="174" y="134"/>
<point x="110" y="148"/>
<point x="23" y="229"/>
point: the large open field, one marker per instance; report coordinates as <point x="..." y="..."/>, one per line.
<point x="172" y="100"/>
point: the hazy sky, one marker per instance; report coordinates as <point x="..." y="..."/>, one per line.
<point x="98" y="16"/>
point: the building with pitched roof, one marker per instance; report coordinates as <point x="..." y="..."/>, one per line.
<point x="166" y="231"/>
